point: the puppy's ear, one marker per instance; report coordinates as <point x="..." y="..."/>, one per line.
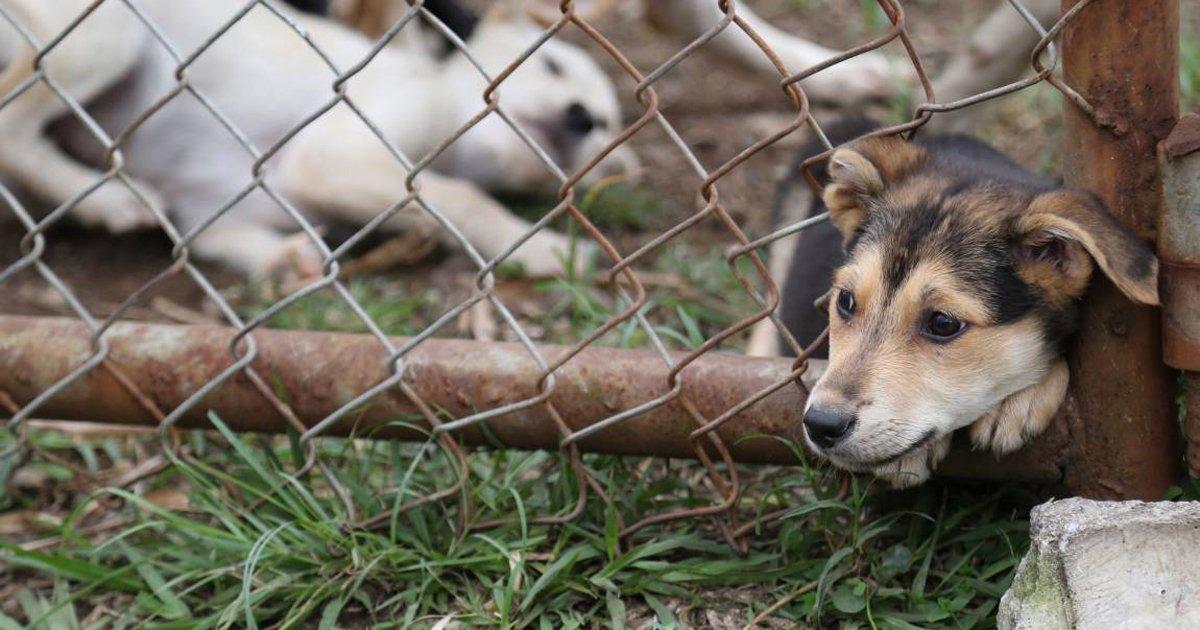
<point x="858" y="172"/>
<point x="1060" y="230"/>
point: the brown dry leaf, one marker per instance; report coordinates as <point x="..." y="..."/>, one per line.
<point x="181" y="313"/>
<point x="27" y="522"/>
<point x="29" y="478"/>
<point x="170" y="499"/>
<point x="89" y="430"/>
<point x="408" y="248"/>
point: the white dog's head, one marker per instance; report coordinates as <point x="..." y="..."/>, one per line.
<point x="559" y="95"/>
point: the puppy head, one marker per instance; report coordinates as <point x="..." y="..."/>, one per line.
<point x="559" y="95"/>
<point x="957" y="294"/>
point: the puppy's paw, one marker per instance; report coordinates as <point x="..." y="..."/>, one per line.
<point x="916" y="467"/>
<point x="1023" y="415"/>
<point x="117" y="209"/>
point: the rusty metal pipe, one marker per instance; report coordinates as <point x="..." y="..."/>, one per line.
<point x="1122" y="56"/>
<point x="316" y="373"/>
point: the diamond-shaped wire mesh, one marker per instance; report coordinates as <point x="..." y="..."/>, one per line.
<point x="629" y="290"/>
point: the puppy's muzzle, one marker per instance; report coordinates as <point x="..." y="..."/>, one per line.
<point x="826" y="427"/>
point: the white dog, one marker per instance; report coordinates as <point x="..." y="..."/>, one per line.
<point x="266" y="80"/>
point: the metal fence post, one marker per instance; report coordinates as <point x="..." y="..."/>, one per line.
<point x="1122" y="56"/>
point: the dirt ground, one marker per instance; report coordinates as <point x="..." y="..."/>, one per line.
<point x="719" y="109"/>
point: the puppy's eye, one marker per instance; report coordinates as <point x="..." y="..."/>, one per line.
<point x="845" y="303"/>
<point x="942" y="327"/>
<point x="552" y="67"/>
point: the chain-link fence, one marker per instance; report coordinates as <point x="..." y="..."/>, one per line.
<point x="453" y="394"/>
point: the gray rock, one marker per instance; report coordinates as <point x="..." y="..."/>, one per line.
<point x="1098" y="564"/>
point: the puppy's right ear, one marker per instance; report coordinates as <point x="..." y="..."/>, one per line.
<point x="1054" y="229"/>
<point x="859" y="172"/>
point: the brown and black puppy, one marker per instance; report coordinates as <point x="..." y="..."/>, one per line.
<point x="958" y="287"/>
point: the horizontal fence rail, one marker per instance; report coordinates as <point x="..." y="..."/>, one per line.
<point x="323" y="371"/>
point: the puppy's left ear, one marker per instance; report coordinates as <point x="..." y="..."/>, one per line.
<point x="1061" y="228"/>
<point x="858" y="172"/>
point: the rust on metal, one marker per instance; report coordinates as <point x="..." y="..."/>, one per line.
<point x="1179" y="288"/>
<point x="1179" y="250"/>
<point x="1122" y="56"/>
<point x="1184" y="139"/>
<point x="1179" y="245"/>
<point x="320" y="372"/>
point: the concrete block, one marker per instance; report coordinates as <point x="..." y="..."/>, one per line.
<point x="1099" y="564"/>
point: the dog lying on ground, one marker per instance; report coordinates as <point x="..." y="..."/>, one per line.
<point x="996" y="53"/>
<point x="951" y="304"/>
<point x="266" y="79"/>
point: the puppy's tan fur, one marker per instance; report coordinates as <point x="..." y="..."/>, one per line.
<point x="954" y="230"/>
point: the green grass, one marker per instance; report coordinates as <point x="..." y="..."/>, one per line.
<point x="579" y="303"/>
<point x="395" y="307"/>
<point x="874" y="21"/>
<point x="258" y="547"/>
<point x="610" y="204"/>
<point x="1189" y="69"/>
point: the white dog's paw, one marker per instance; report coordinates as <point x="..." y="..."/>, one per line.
<point x="295" y="262"/>
<point x="916" y="467"/>
<point x="1023" y="415"/>
<point x="545" y="254"/>
<point x="117" y="209"/>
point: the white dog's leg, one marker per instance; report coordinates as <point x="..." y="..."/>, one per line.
<point x="794" y="206"/>
<point x="491" y="228"/>
<point x="868" y="76"/>
<point x="355" y="181"/>
<point x="37" y="164"/>
<point x="26" y="155"/>
<point x="997" y="53"/>
<point x="259" y="251"/>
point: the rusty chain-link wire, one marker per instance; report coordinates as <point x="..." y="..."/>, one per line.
<point x="629" y="288"/>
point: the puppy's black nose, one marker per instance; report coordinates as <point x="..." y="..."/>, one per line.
<point x="579" y="119"/>
<point x="826" y="427"/>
